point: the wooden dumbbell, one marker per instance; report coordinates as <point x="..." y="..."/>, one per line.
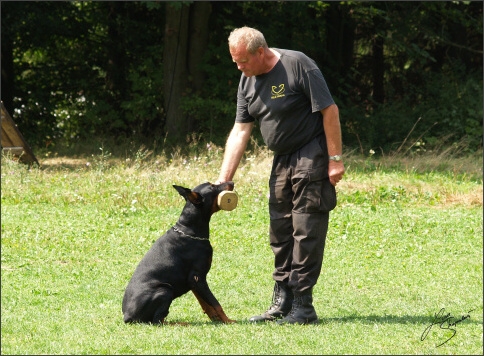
<point x="227" y="200"/>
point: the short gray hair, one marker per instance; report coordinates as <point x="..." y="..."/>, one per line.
<point x="252" y="38"/>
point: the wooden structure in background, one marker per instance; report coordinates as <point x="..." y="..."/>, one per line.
<point x="13" y="141"/>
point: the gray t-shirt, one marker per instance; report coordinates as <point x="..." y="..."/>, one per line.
<point x="285" y="101"/>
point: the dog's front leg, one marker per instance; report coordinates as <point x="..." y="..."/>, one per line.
<point x="215" y="313"/>
<point x="207" y="300"/>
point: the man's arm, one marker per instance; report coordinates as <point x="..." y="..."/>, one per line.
<point x="234" y="150"/>
<point x="332" y="129"/>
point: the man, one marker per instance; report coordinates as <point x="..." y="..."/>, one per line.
<point x="286" y="93"/>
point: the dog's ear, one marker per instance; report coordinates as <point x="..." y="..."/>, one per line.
<point x="194" y="198"/>
<point x="183" y="191"/>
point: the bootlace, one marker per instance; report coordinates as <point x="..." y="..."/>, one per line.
<point x="276" y="299"/>
<point x="296" y="304"/>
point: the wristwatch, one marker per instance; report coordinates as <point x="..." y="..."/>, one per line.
<point x="335" y="158"/>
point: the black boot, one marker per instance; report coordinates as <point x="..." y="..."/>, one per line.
<point x="302" y="311"/>
<point x="281" y="304"/>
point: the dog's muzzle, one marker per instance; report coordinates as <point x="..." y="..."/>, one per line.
<point x="227" y="200"/>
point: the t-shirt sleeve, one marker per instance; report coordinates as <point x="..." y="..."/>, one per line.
<point x="317" y="90"/>
<point x="242" y="114"/>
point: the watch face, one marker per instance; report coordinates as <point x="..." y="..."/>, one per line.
<point x="335" y="158"/>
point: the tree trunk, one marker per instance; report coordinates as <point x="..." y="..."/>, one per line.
<point x="116" y="66"/>
<point x="186" y="39"/>
<point x="378" y="70"/>
<point x="340" y="37"/>
<point x="175" y="72"/>
<point x="7" y="74"/>
<point x="199" y="15"/>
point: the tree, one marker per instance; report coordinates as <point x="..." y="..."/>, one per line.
<point x="185" y="41"/>
<point x="7" y="57"/>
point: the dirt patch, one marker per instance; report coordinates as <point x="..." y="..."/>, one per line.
<point x="65" y="162"/>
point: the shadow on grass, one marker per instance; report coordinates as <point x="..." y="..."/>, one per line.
<point x="361" y="319"/>
<point x="183" y="324"/>
<point x="404" y="319"/>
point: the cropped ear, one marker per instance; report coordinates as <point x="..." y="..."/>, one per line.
<point x="193" y="197"/>
<point x="183" y="191"/>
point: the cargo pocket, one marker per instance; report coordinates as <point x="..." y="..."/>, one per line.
<point x="328" y="198"/>
<point x="280" y="197"/>
<point x="313" y="192"/>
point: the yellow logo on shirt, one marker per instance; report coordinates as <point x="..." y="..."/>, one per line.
<point x="277" y="91"/>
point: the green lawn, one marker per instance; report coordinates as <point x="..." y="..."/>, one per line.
<point x="405" y="241"/>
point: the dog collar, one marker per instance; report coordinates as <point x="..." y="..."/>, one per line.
<point x="190" y="236"/>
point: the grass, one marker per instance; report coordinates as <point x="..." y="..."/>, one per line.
<point x="404" y="241"/>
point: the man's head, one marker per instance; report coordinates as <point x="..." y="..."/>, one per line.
<point x="248" y="36"/>
<point x="248" y="49"/>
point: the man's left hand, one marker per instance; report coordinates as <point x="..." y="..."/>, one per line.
<point x="336" y="171"/>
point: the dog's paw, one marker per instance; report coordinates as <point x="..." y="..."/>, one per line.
<point x="215" y="317"/>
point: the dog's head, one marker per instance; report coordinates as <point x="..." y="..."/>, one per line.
<point x="205" y="195"/>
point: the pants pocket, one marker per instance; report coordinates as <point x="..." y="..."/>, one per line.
<point x="328" y="201"/>
<point x="280" y="205"/>
<point x="313" y="193"/>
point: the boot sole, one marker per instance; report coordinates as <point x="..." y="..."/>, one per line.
<point x="263" y="320"/>
<point x="298" y="322"/>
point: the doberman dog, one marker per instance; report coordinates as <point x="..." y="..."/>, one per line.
<point x="178" y="262"/>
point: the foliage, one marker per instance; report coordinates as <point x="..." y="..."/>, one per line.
<point x="74" y="70"/>
<point x="404" y="241"/>
<point x="425" y="75"/>
<point x="75" y="66"/>
<point x="439" y="111"/>
<point x="214" y="117"/>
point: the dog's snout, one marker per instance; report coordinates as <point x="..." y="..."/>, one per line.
<point x="227" y="186"/>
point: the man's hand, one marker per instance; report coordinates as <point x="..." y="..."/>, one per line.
<point x="336" y="170"/>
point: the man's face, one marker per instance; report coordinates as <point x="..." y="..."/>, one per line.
<point x="247" y="63"/>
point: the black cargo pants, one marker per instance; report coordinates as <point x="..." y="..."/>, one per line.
<point x="301" y="197"/>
